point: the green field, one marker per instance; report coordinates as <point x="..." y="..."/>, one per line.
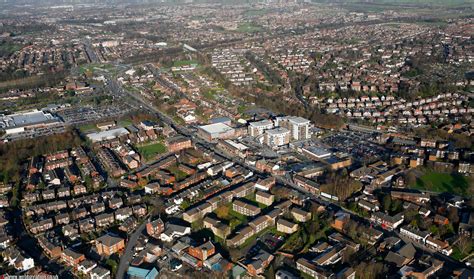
<point x="87" y="128"/>
<point x="184" y="63"/>
<point x="8" y="48"/>
<point x="178" y="174"/>
<point x="443" y="182"/>
<point x="248" y="28"/>
<point x="151" y="150"/>
<point x="251" y="13"/>
<point x="233" y="218"/>
<point x="210" y="95"/>
<point x="91" y="68"/>
<point x="124" y="122"/>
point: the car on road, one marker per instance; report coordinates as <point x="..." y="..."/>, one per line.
<point x="176" y="264"/>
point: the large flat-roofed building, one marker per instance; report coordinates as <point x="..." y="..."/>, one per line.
<point x="316" y="153"/>
<point x="257" y="128"/>
<point x="29" y="124"/>
<point x="108" y="135"/>
<point x="216" y="131"/>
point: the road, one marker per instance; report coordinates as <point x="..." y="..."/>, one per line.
<point x="128" y="253"/>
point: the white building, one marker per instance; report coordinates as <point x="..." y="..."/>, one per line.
<point x="298" y="126"/>
<point x="108" y="135"/>
<point x="174" y="231"/>
<point x="152" y="188"/>
<point x="259" y="127"/>
<point x="100" y="273"/>
<point x="216" y="131"/>
<point x="277" y="137"/>
<point x="414" y="234"/>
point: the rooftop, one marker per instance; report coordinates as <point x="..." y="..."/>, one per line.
<point x="25" y="119"/>
<point x="107" y="135"/>
<point x="277" y="131"/>
<point x="262" y="123"/>
<point x="216" y="128"/>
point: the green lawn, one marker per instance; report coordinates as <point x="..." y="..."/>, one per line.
<point x="178" y="174"/>
<point x="295" y="242"/>
<point x="458" y="255"/>
<point x="210" y="95"/>
<point x="251" y="13"/>
<point x="97" y="66"/>
<point x="124" y="122"/>
<point x="151" y="150"/>
<point x="253" y="238"/>
<point x="8" y="48"/>
<point x="443" y="182"/>
<point x="248" y="28"/>
<point x="185" y="62"/>
<point x="92" y="127"/>
<point x="233" y="218"/>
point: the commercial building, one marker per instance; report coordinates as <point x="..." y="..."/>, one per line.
<point x="216" y="131"/>
<point x="316" y="153"/>
<point x="29" y="124"/>
<point x="20" y="122"/>
<point x="108" y="135"/>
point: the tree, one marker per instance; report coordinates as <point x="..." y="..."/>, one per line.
<point x="387" y="202"/>
<point x="112" y="264"/>
<point x="370" y="270"/>
<point x="410" y="178"/>
<point x="222" y="212"/>
<point x="280" y="192"/>
<point x="464" y="244"/>
<point x="396" y="205"/>
<point x="453" y="215"/>
<point x="313" y="227"/>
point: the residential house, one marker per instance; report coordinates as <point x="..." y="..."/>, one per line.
<point x="107" y="245"/>
<point x="285" y="226"/>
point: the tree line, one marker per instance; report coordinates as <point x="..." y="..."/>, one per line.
<point x="14" y="154"/>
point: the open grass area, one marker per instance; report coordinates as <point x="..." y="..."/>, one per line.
<point x="178" y="174"/>
<point x="185" y="63"/>
<point x="248" y="28"/>
<point x="89" y="69"/>
<point x="87" y="128"/>
<point x="459" y="255"/>
<point x="210" y="95"/>
<point x="295" y="242"/>
<point x="8" y="48"/>
<point x="252" y="13"/>
<point x="124" y="122"/>
<point x="151" y="150"/>
<point x="234" y="219"/>
<point x="443" y="182"/>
